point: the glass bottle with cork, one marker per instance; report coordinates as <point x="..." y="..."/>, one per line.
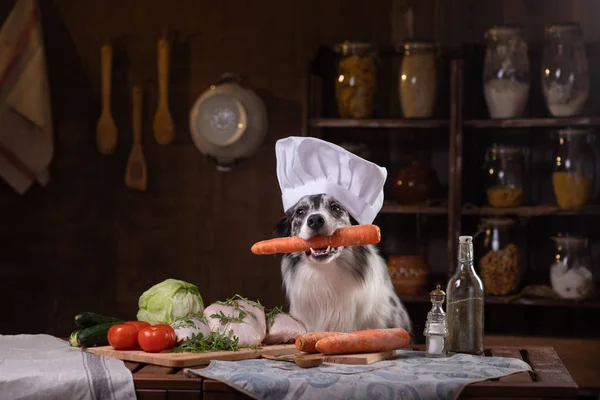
<point x="465" y="303"/>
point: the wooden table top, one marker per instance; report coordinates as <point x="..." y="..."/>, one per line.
<point x="549" y="379"/>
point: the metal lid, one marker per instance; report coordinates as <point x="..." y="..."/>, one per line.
<point x="566" y="240"/>
<point x="574" y="131"/>
<point x="503" y="30"/>
<point x="502" y="149"/>
<point x="493" y="221"/>
<point x="418" y="44"/>
<point x="438" y="294"/>
<point x="348" y="47"/>
<point x="563" y="27"/>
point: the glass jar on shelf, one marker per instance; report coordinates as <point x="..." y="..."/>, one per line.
<point x="506" y="76"/>
<point x="573" y="172"/>
<point x="417" y="79"/>
<point x="501" y="258"/>
<point x="571" y="272"/>
<point x="356" y="79"/>
<point x="565" y="71"/>
<point x="504" y="169"/>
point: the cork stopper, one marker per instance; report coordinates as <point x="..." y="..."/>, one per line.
<point x="438" y="294"/>
<point x="465" y="239"/>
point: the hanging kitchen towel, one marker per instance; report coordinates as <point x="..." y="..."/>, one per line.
<point x="45" y="367"/>
<point x="26" y="136"/>
<point x="410" y="375"/>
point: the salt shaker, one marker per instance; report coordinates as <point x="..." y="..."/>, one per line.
<point x="436" y="329"/>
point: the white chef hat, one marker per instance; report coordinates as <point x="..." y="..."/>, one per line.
<point x="307" y="166"/>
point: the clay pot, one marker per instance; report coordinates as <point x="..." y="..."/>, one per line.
<point x="409" y="274"/>
<point x="415" y="184"/>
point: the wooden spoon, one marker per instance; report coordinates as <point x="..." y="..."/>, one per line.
<point x="136" y="176"/>
<point x="106" y="130"/>
<point x="309" y="361"/>
<point x="164" y="131"/>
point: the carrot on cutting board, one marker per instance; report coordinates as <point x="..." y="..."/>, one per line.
<point x="366" y="341"/>
<point x="355" y="235"/>
<point x="307" y="342"/>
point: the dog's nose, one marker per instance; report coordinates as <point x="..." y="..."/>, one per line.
<point x="315" y="222"/>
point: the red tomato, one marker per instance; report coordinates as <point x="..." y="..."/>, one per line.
<point x="162" y="326"/>
<point x="123" y="337"/>
<point x="138" y="324"/>
<point x="154" y="339"/>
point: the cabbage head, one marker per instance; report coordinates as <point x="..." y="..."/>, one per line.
<point x="168" y="300"/>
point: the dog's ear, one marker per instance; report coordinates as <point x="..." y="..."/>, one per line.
<point x="283" y="228"/>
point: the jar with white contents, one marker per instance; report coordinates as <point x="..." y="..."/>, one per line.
<point x="506" y="76"/>
<point x="565" y="70"/>
<point x="571" y="273"/>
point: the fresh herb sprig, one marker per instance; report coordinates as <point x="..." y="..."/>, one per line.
<point x="215" y="341"/>
<point x="189" y="320"/>
<point x="235" y="303"/>
<point x="277" y="310"/>
<point x="225" y="319"/>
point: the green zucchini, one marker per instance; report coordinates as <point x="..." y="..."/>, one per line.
<point x="96" y="335"/>
<point x="87" y="319"/>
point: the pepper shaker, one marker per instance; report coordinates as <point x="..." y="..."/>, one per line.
<point x="436" y="330"/>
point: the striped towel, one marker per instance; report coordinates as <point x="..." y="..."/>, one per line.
<point x="46" y="367"/>
<point x="26" y="131"/>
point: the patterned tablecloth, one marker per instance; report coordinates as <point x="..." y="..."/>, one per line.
<point x="409" y="375"/>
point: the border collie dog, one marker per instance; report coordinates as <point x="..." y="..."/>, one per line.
<point x="342" y="289"/>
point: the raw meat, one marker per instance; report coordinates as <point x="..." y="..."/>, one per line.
<point x="245" y="319"/>
<point x="284" y="328"/>
<point x="187" y="327"/>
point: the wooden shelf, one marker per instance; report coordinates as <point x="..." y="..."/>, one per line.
<point x="377" y="123"/>
<point x="510" y="300"/>
<point x="533" y="122"/>
<point x="390" y="207"/>
<point x="529" y="211"/>
<point x="394" y="208"/>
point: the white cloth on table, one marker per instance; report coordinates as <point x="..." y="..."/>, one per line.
<point x="46" y="367"/>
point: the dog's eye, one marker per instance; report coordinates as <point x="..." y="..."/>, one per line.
<point x="300" y="211"/>
<point x="336" y="208"/>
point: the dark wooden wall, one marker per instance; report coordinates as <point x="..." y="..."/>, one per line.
<point x="86" y="242"/>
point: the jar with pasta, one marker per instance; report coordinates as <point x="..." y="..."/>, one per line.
<point x="417" y="79"/>
<point x="504" y="170"/>
<point x="571" y="271"/>
<point x="501" y="258"/>
<point x="356" y="79"/>
<point x="574" y="168"/>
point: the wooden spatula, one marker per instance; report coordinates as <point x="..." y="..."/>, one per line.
<point x="106" y="130"/>
<point x="136" y="175"/>
<point x="164" y="131"/>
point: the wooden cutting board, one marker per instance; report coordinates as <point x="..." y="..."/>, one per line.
<point x="360" y="359"/>
<point x="182" y="360"/>
<point x="350" y="359"/>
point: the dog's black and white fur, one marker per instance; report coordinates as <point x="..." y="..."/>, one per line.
<point x="341" y="289"/>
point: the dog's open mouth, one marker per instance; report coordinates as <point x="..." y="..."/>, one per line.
<point x="320" y="254"/>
